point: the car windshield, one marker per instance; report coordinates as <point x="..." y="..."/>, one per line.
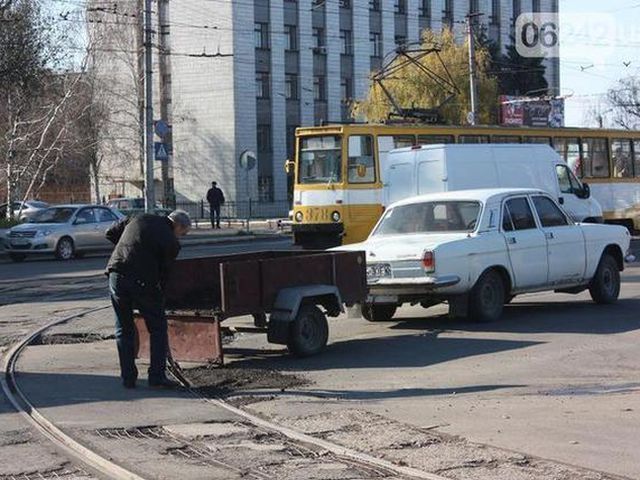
<point x="53" y="215"/>
<point x="430" y="217"/>
<point x="38" y="204"/>
<point x="320" y="159"/>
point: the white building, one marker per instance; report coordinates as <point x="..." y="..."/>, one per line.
<point x="293" y="64"/>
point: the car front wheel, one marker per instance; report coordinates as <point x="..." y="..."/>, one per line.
<point x="605" y="286"/>
<point x="487" y="298"/>
<point x="65" y="249"/>
<point x="378" y="312"/>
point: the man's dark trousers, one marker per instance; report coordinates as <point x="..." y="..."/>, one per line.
<point x="215" y="216"/>
<point x="127" y="294"/>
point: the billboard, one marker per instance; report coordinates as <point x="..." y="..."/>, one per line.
<point x="531" y="112"/>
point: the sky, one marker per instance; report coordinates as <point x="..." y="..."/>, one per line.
<point x="599" y="44"/>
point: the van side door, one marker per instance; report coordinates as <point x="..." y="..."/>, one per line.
<point x="526" y="244"/>
<point x="565" y="243"/>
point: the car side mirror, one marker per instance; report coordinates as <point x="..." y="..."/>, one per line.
<point x="586" y="189"/>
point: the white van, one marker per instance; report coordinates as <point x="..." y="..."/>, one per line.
<point x="419" y="170"/>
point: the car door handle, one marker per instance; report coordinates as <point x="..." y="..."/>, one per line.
<point x="549" y="235"/>
<point x="512" y="240"/>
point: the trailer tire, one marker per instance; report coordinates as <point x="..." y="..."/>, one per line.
<point x="378" y="312"/>
<point x="309" y="332"/>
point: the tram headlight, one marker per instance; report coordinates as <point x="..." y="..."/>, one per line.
<point x="335" y="216"/>
<point x="299" y="217"/>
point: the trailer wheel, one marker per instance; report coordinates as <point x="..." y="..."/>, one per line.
<point x="309" y="332"/>
<point x="378" y="312"/>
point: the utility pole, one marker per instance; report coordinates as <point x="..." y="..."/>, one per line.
<point x="164" y="62"/>
<point x="149" y="186"/>
<point x="472" y="67"/>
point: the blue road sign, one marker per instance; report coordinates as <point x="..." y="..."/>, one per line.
<point x="162" y="128"/>
<point x="162" y="151"/>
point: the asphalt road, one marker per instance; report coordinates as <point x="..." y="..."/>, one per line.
<point x="47" y="268"/>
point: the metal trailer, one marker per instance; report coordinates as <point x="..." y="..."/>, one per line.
<point x="297" y="290"/>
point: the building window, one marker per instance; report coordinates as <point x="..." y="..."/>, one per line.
<point x="318" y="39"/>
<point x="345" y="3"/>
<point x="495" y="12"/>
<point x="400" y="40"/>
<point x="375" y="39"/>
<point x="261" y="35"/>
<point x="346" y="42"/>
<point x="400" y="7"/>
<point x="425" y="8"/>
<point x="535" y="5"/>
<point x="290" y="37"/>
<point x="291" y="86"/>
<point x="291" y="140"/>
<point x="517" y="9"/>
<point x="447" y="13"/>
<point x="473" y="6"/>
<point x="319" y="88"/>
<point x="374" y="5"/>
<point x="262" y="85"/>
<point x="265" y="188"/>
<point x="264" y="138"/>
<point x="346" y="87"/>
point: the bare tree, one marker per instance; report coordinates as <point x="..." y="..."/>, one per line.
<point x="624" y="103"/>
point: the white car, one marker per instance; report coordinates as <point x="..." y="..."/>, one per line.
<point x="477" y="249"/>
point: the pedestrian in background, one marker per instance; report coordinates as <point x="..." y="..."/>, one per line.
<point x="215" y="197"/>
<point x="146" y="247"/>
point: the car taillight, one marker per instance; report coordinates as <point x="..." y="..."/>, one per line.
<point x="429" y="261"/>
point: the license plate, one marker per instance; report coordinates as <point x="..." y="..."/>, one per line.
<point x="377" y="271"/>
<point x="318" y="215"/>
<point x="20" y="242"/>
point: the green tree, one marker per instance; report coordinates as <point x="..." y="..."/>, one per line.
<point x="412" y="88"/>
<point x="519" y="75"/>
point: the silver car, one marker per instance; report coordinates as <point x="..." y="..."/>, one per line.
<point x="64" y="230"/>
<point x="29" y="209"/>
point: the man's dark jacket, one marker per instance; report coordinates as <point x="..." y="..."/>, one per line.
<point x="215" y="197"/>
<point x="145" y="248"/>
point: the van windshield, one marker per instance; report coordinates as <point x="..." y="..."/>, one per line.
<point x="320" y="159"/>
<point x="430" y="217"/>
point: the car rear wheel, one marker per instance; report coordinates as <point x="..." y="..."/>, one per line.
<point x="605" y="286"/>
<point x="309" y="332"/>
<point x="487" y="298"/>
<point x="65" y="249"/>
<point x="17" y="257"/>
<point x="378" y="312"/>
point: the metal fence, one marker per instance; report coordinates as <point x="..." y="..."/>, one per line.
<point x="250" y="209"/>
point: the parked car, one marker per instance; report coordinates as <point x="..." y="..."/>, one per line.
<point x="477" y="249"/>
<point x="29" y="208"/>
<point x="134" y="206"/>
<point x="64" y="230"/>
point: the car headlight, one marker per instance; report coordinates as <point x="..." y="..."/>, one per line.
<point x="43" y="233"/>
<point x="299" y="217"/>
<point x="335" y="216"/>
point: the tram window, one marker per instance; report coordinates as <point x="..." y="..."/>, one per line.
<point x="361" y="167"/>
<point x="569" y="150"/>
<point x="636" y="157"/>
<point x="473" y="139"/>
<point x="434" y="139"/>
<point x="543" y="140"/>
<point x="595" y="157"/>
<point x="621" y="158"/>
<point x="505" y="139"/>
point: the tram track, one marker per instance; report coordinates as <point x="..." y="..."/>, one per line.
<point x="303" y="445"/>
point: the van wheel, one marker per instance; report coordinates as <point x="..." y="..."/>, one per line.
<point x="65" y="249"/>
<point x="487" y="298"/>
<point x="605" y="285"/>
<point x="309" y="332"/>
<point x="378" y="312"/>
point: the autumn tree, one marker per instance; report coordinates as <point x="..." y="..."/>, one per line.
<point x="412" y="88"/>
<point x="518" y="75"/>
